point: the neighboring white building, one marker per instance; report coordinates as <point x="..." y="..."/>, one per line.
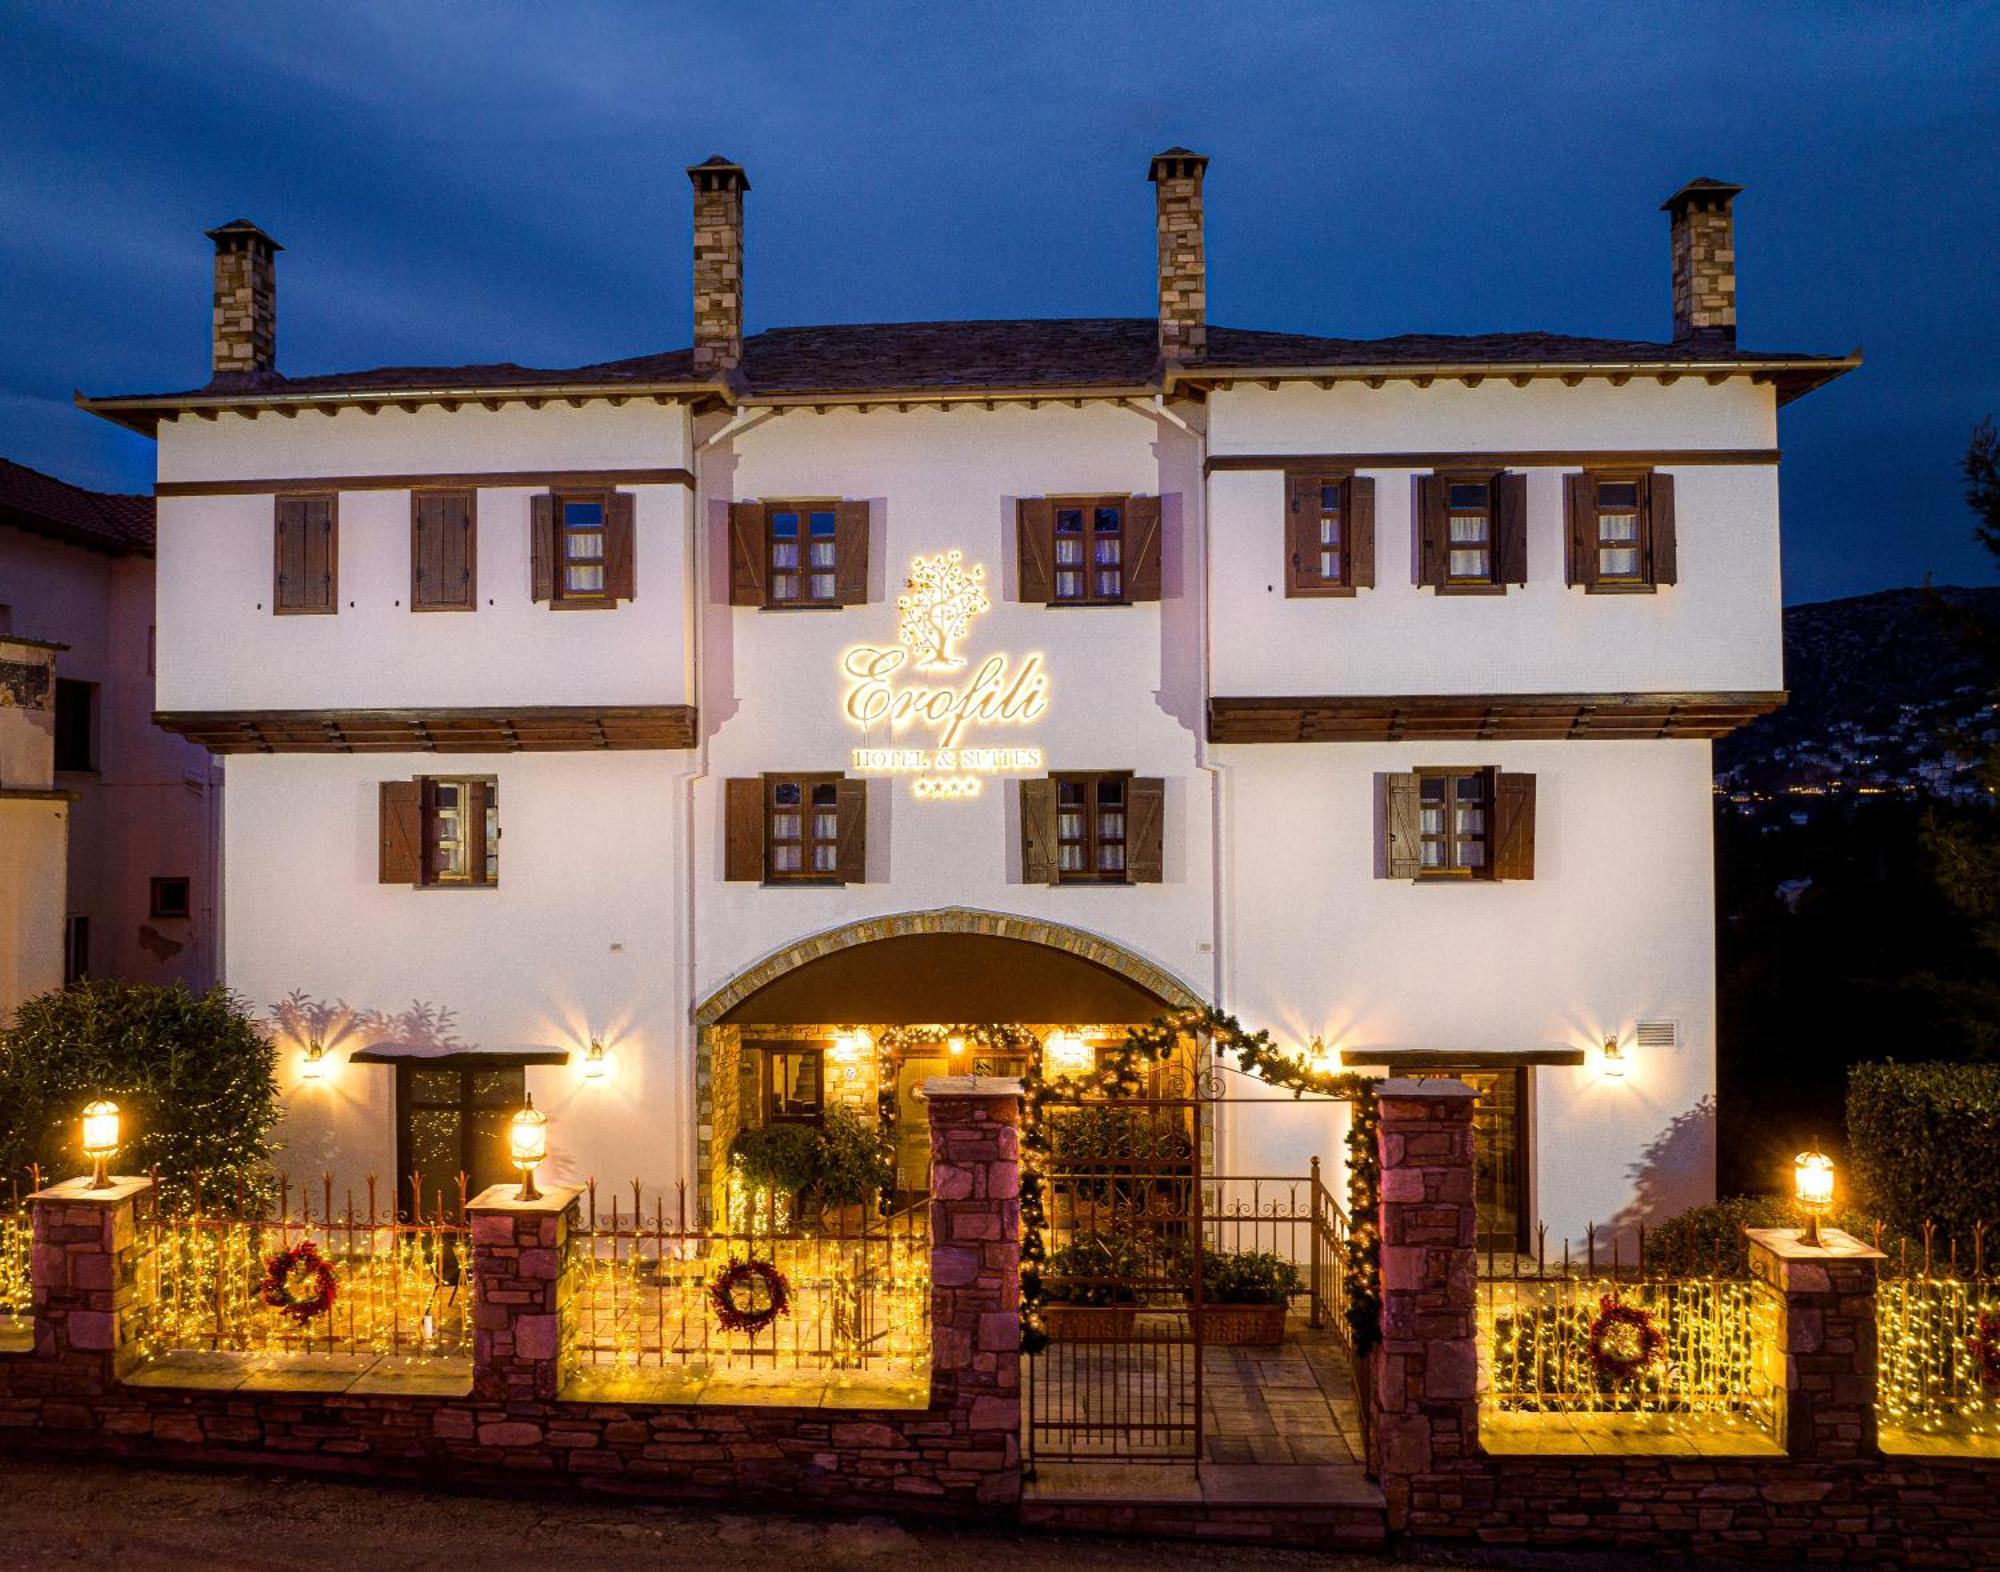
<point x="137" y="896"/>
<point x="1040" y="673"/>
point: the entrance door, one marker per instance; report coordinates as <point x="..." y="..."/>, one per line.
<point x="452" y="1120"/>
<point x="1500" y="1156"/>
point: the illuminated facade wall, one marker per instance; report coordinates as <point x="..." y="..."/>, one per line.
<point x="613" y="913"/>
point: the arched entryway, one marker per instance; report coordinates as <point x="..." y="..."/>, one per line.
<point x="766" y="1039"/>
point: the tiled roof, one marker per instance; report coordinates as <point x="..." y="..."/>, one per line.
<point x="110" y="521"/>
<point x="917" y="357"/>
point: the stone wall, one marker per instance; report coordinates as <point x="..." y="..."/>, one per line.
<point x="718" y="265"/>
<point x="1704" y="263"/>
<point x="1833" y="1497"/>
<point x="246" y="301"/>
<point x="1183" y="269"/>
<point x="959" y="1455"/>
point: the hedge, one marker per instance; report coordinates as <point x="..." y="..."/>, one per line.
<point x="1923" y="1144"/>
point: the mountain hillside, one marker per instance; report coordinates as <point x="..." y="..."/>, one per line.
<point x="1887" y="694"/>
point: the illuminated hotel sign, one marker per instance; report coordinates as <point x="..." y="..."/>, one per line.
<point x="923" y="680"/>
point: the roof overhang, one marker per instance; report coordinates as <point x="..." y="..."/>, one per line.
<point x="1792" y="378"/>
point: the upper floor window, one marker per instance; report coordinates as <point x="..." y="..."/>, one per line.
<point x="1329" y="534"/>
<point x="798" y="553"/>
<point x="1095" y="827"/>
<point x="584" y="548"/>
<point x="443" y="560"/>
<point x="1473" y="534"/>
<point x="1089" y="551"/>
<point x="169" y="898"/>
<point x="796" y="829"/>
<point x="76" y="724"/>
<point x="1453" y="822"/>
<point x="440" y="831"/>
<point x="307" y="567"/>
<point x="1621" y="530"/>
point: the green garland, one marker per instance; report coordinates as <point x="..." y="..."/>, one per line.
<point x="1119" y="1074"/>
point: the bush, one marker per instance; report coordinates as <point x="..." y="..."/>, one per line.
<point x="843" y="1162"/>
<point x="1248" y="1277"/>
<point x="1923" y="1141"/>
<point x="1109" y="1257"/>
<point x="193" y="1075"/>
<point x="1708" y="1240"/>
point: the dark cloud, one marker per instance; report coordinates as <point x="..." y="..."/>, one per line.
<point x="468" y="182"/>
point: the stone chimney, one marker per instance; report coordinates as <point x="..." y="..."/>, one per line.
<point x="718" y="264"/>
<point x="1176" y="175"/>
<point x="246" y="302"/>
<point x="1704" y="242"/>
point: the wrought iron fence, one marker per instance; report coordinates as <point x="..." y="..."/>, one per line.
<point x="17" y="1248"/>
<point x="1597" y="1336"/>
<point x="403" y="1284"/>
<point x="1937" y="1319"/>
<point x="1328" y="1261"/>
<point x="858" y="1286"/>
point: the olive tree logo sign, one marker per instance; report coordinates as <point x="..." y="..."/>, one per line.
<point x="942" y="598"/>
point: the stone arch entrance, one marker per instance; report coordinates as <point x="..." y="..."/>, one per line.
<point x="947" y="966"/>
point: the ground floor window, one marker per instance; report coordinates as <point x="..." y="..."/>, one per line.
<point x="452" y="1120"/>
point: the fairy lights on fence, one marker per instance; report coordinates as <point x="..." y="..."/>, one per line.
<point x="1938" y="1364"/>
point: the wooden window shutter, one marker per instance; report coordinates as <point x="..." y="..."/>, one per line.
<point x="1361" y="531"/>
<point x="1142" y="529"/>
<point x="851" y="845"/>
<point x="1666" y="544"/>
<point x="1145" y="838"/>
<point x="401" y="833"/>
<point x="307" y="554"/>
<point x="1581" y="564"/>
<point x="621" y="545"/>
<point x="1039" y="862"/>
<point x="289" y="553"/>
<point x="1510" y="527"/>
<point x="850" y="553"/>
<point x="1037" y="550"/>
<point x="743" y="830"/>
<point x="474" y="830"/>
<point x="441" y="551"/>
<point x="1402" y="828"/>
<point x="542" y="544"/>
<point x="1514" y="827"/>
<point x="746" y="555"/>
<point x="1431" y="530"/>
<point x="1301" y="533"/>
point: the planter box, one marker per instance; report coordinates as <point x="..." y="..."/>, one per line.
<point x="1235" y="1325"/>
<point x="1090" y="1323"/>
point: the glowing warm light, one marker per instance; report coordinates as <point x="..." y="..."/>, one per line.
<point x="1320" y="1059"/>
<point x="1065" y="1053"/>
<point x="997" y="694"/>
<point x="943" y="596"/>
<point x="100" y="1140"/>
<point x="954" y="1047"/>
<point x="313" y="1066"/>
<point x="1613" y="1063"/>
<point x="595" y="1065"/>
<point x="1812" y="1184"/>
<point x="528" y="1146"/>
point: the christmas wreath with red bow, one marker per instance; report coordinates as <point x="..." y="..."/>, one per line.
<point x="299" y="1282"/>
<point x="749" y="1295"/>
<point x="1623" y="1339"/>
<point x="1984" y="1346"/>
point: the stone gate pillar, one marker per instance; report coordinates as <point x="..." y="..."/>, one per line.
<point x="87" y="1289"/>
<point x="1825" y="1390"/>
<point x="521" y="1282"/>
<point x="976" y="1274"/>
<point x="1425" y="1373"/>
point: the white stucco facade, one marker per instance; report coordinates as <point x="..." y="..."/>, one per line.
<point x="612" y="916"/>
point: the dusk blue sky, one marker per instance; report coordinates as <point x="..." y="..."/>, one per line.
<point x="458" y="183"/>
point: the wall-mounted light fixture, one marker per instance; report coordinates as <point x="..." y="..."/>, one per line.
<point x="313" y="1066"/>
<point x="1812" y="1184"/>
<point x="851" y="1045"/>
<point x="528" y="1146"/>
<point x="595" y="1065"/>
<point x="954" y="1048"/>
<point x="1320" y="1059"/>
<point x="1613" y="1063"/>
<point x="100" y="1141"/>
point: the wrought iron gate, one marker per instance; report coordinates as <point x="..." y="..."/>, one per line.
<point x="1121" y="1377"/>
